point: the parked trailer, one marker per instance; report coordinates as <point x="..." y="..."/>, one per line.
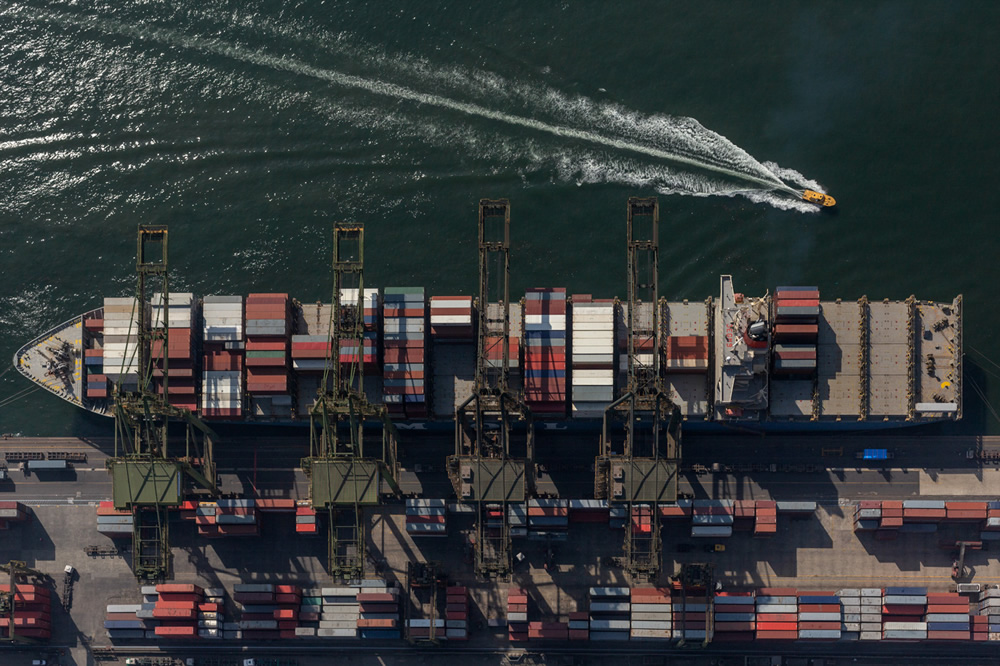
<point x="47" y="465"/>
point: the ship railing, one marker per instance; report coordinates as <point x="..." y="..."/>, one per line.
<point x="25" y="348"/>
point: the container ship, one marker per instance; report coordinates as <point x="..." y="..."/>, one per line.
<point x="785" y="360"/>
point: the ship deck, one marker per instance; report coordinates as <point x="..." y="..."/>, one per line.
<point x="54" y="361"/>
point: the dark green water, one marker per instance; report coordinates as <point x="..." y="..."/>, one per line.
<point x="251" y="126"/>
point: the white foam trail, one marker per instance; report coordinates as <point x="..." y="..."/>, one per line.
<point x="794" y="177"/>
<point x="677" y="140"/>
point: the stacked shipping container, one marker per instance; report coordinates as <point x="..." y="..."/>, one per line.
<point x="690" y="613"/>
<point x="222" y="357"/>
<point x="268" y="322"/>
<point x="12" y="512"/>
<point x="378" y="617"/>
<point x="451" y="319"/>
<point x="456" y="613"/>
<point x="610" y="613"/>
<point x="257" y="603"/>
<point x="948" y="617"/>
<point x="593" y="348"/>
<point x="988" y="608"/>
<point x="114" y="523"/>
<point x="545" y="351"/>
<point x="777" y="614"/>
<point x="850" y="613"/>
<point x="903" y="610"/>
<point x="651" y="614"/>
<point x="426" y="517"/>
<point x="796" y="330"/>
<point x="765" y="518"/>
<point x="819" y="616"/>
<point x="405" y="370"/>
<point x="517" y="614"/>
<point x="558" y="631"/>
<point x="96" y="382"/>
<point x="31" y="610"/>
<point x="548" y="516"/>
<point x="305" y="519"/>
<point x="735" y="616"/>
<point x="174" y="366"/>
<point x="121" y="339"/>
<point x="579" y="626"/>
<point x="340" y="613"/>
<point x="712" y="518"/>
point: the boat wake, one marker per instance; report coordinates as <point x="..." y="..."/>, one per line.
<point x="576" y="138"/>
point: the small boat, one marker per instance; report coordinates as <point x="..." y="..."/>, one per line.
<point x="818" y="198"/>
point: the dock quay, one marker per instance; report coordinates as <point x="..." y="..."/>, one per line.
<point x="821" y="549"/>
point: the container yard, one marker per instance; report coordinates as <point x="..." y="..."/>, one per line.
<point x="501" y="477"/>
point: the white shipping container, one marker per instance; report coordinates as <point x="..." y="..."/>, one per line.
<point x="608" y="380"/>
<point x="553" y="319"/>
<point x="121" y="300"/>
<point x="819" y="617"/>
<point x="642" y="624"/>
<point x="591" y="350"/>
<point x="121" y="330"/>
<point x="176" y="298"/>
<point x="777" y="608"/>
<point x="583" y="318"/>
<point x="445" y="320"/>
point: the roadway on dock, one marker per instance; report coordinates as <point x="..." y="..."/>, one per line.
<point x="784" y="467"/>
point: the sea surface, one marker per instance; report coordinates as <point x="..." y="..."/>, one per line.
<point x="251" y="126"/>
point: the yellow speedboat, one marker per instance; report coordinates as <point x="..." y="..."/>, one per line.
<point x="818" y="198"/>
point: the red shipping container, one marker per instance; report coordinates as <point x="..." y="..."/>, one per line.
<point x="799" y="331"/>
<point x="272" y="345"/>
<point x="271" y="504"/>
<point x="178" y="588"/>
<point x="819" y="608"/>
<point x="770" y="635"/>
<point x="175" y="613"/>
<point x="776" y="617"/>
<point x="810" y="625"/>
<point x="948" y="635"/>
<point x="786" y="295"/>
<point x="178" y="631"/>
<point x="178" y="600"/>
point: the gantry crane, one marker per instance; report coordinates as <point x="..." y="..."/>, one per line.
<point x="16" y="572"/>
<point x="342" y="480"/>
<point x="484" y="468"/>
<point x="146" y="479"/>
<point x="640" y="439"/>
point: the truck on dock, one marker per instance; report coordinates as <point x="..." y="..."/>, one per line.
<point x="875" y="454"/>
